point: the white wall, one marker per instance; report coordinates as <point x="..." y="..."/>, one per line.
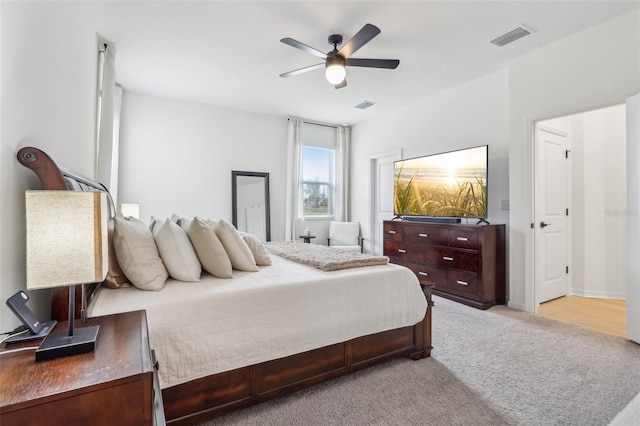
<point x="49" y="57"/>
<point x="595" y="68"/>
<point x="605" y="203"/>
<point x="177" y="157"/>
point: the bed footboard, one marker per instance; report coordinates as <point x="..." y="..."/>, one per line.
<point x="222" y="393"/>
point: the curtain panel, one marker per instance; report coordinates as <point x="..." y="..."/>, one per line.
<point x="343" y="180"/>
<point x="109" y="100"/>
<point x="294" y="210"/>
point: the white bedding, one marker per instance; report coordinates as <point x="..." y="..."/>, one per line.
<point x="215" y="325"/>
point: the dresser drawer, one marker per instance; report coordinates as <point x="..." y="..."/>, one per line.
<point x="406" y="252"/>
<point x="426" y="234"/>
<point x="454" y="259"/>
<point x="393" y="231"/>
<point x="429" y="274"/>
<point x="461" y="282"/>
<point x="464" y="238"/>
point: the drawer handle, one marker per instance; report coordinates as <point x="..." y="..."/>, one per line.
<point x="462" y="239"/>
<point x="393" y="232"/>
<point x="401" y="251"/>
<point x="447" y="258"/>
<point x="423" y="235"/>
<point x="462" y="282"/>
<point x="424" y="274"/>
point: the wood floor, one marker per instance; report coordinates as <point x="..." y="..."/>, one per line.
<point x="605" y="315"/>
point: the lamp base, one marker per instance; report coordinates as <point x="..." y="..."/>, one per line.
<point x="57" y="345"/>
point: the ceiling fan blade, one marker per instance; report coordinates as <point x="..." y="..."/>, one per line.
<point x="302" y="70"/>
<point x="341" y="85"/>
<point x="373" y="63"/>
<point x="295" y="43"/>
<point x="362" y="37"/>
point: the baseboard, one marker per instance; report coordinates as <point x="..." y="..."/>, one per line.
<point x="598" y="294"/>
<point x="517" y="306"/>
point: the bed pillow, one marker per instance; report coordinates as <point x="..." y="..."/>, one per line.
<point x="137" y="254"/>
<point x="115" y="277"/>
<point x="176" y="219"/>
<point x="239" y="253"/>
<point x="209" y="249"/>
<point x="176" y="251"/>
<point x="259" y="251"/>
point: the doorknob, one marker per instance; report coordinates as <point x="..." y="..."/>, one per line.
<point x="544" y="225"/>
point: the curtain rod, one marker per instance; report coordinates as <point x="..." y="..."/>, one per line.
<point x="318" y="124"/>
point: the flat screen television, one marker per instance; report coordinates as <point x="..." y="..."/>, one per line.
<point x="445" y="185"/>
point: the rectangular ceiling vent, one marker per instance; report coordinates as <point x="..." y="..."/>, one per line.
<point x="510" y="37"/>
<point x="365" y="104"/>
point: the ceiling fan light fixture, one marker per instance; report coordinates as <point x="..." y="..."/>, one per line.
<point x="335" y="71"/>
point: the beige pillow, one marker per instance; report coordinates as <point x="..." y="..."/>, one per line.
<point x="238" y="251"/>
<point x="115" y="277"/>
<point x="209" y="249"/>
<point x="176" y="251"/>
<point x="137" y="254"/>
<point x="176" y="219"/>
<point x="259" y="251"/>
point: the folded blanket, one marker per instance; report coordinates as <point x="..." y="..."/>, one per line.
<point x="323" y="257"/>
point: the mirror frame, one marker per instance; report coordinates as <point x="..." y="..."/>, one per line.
<point x="234" y="198"/>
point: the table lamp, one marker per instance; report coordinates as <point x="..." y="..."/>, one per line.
<point x="66" y="245"/>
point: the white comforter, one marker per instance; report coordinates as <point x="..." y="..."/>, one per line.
<point x="202" y="328"/>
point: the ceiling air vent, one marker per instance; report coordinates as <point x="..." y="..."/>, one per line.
<point x="511" y="36"/>
<point x="365" y="104"/>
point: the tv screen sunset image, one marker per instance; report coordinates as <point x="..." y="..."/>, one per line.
<point x="452" y="184"/>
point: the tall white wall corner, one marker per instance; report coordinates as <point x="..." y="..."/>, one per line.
<point x="633" y="220"/>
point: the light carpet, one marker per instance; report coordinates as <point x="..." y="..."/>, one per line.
<point x="494" y="367"/>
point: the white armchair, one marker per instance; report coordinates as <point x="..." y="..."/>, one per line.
<point x="345" y="236"/>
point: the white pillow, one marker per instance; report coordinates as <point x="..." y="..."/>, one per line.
<point x="237" y="249"/>
<point x="137" y="254"/>
<point x="176" y="251"/>
<point x="259" y="251"/>
<point x="209" y="249"/>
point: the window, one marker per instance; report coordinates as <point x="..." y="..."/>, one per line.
<point x="318" y="181"/>
<point x="319" y="171"/>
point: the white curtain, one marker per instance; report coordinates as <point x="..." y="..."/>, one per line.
<point x="115" y="147"/>
<point x="294" y="212"/>
<point x="108" y="104"/>
<point x="343" y="182"/>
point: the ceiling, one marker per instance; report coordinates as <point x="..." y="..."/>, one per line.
<point x="228" y="53"/>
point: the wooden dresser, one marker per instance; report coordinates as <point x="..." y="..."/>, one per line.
<point x="466" y="263"/>
<point x="113" y="385"/>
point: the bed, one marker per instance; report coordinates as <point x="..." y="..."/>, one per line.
<point x="227" y="344"/>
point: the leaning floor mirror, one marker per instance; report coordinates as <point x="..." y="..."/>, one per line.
<point x="250" y="203"/>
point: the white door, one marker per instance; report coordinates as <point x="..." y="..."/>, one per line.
<point x="633" y="218"/>
<point x="550" y="214"/>
<point x="382" y="206"/>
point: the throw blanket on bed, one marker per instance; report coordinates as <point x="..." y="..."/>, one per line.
<point x="323" y="257"/>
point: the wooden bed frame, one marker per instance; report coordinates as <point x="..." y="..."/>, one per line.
<point x="219" y="394"/>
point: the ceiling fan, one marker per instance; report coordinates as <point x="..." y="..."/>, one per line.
<point x="336" y="60"/>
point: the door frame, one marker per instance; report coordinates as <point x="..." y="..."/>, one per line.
<point x="540" y="126"/>
<point x="373" y="185"/>
<point x="633" y="202"/>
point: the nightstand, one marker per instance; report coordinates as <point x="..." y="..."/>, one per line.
<point x="116" y="384"/>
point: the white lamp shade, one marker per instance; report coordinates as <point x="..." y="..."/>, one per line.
<point x="66" y="238"/>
